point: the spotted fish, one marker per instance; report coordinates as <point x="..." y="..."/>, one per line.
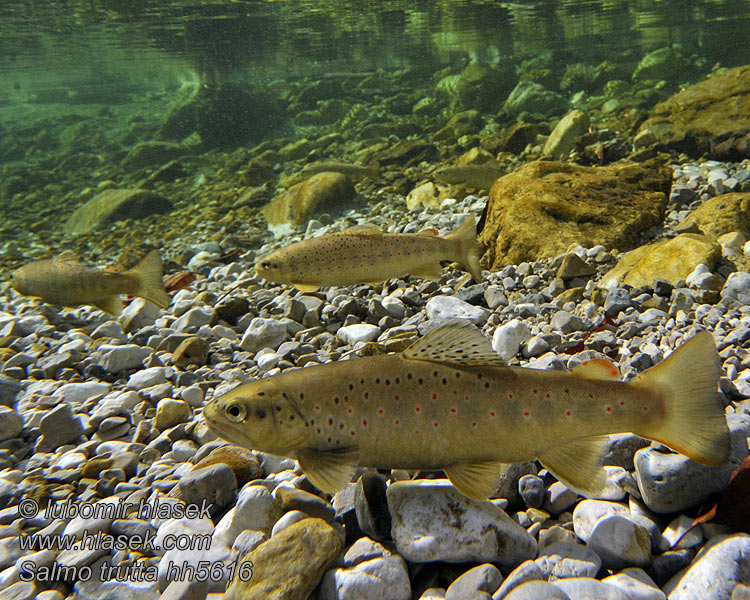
<point x="367" y="255"/>
<point x="448" y="402"/>
<point x="69" y="283"/>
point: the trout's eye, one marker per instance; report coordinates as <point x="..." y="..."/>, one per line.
<point x="267" y="265"/>
<point x="236" y="412"/>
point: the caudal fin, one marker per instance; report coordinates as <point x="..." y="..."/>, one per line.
<point x="468" y="246"/>
<point x="148" y="273"/>
<point x="694" y="423"/>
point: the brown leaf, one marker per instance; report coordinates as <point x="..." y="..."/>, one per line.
<point x="732" y="507"/>
<point x="177" y="281"/>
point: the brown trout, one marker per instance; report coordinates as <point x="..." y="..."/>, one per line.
<point x="448" y="402"/>
<point x="481" y="177"/>
<point x="367" y="255"/>
<point x="371" y="170"/>
<point x="69" y="283"/>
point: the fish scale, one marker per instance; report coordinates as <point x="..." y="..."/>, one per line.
<point x="449" y="403"/>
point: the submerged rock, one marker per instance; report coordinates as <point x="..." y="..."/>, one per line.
<point x="297" y="204"/>
<point x="722" y="214"/>
<point x="711" y="117"/>
<point x="289" y="565"/>
<point x="114" y="205"/>
<point x="542" y="208"/>
<point x="670" y="260"/>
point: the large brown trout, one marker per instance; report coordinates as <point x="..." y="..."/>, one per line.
<point x="448" y="402"/>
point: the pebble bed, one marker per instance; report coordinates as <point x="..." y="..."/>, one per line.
<point x="98" y="411"/>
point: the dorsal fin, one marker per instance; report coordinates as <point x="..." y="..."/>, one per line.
<point x="365" y="229"/>
<point x="597" y="368"/>
<point x="431" y="231"/>
<point x="460" y="344"/>
<point x="68" y="256"/>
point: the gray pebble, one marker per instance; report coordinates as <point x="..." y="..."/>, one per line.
<point x="360" y="332"/>
<point x="567" y="322"/>
<point x="214" y="484"/>
<point x="11" y="423"/>
<point x="187" y="589"/>
<point x="146" y="378"/>
<point x="58" y="426"/>
<point x="484" y="578"/>
<point x="450" y="307"/>
<point x="531" y="489"/>
<point x="536" y="590"/>
<point x="587" y="588"/>
<point x="263" y="333"/>
<point x="384" y="578"/>
<point x="526" y="571"/>
<point x="565" y="559"/>
<point x="737" y="287"/>
<point x="620" y="543"/>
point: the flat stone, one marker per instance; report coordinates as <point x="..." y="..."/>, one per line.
<point x="526" y="571"/>
<point x="11" y="423"/>
<point x="671" y="482"/>
<point x="381" y="578"/>
<point x="214" y="484"/>
<point x="191" y="351"/>
<point x="116" y="359"/>
<point x="636" y="584"/>
<point x="359" y="332"/>
<point x="668" y="259"/>
<point x="723" y="563"/>
<point x="242" y="461"/>
<point x="450" y="307"/>
<point x="263" y="333"/>
<point x="484" y="578"/>
<point x="58" y="426"/>
<point x="737" y="287"/>
<point x="171" y="412"/>
<point x="566" y="559"/>
<point x="433" y="521"/>
<point x="537" y="590"/>
<point x="565" y="135"/>
<point x="586" y="588"/>
<point x="620" y="542"/>
<point x="289" y="565"/>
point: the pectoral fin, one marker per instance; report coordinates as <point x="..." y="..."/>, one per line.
<point x="306" y="287"/>
<point x="477" y="480"/>
<point x="329" y="471"/>
<point x="578" y="464"/>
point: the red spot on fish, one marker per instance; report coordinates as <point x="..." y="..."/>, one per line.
<point x="352" y="433"/>
<point x="535" y="391"/>
<point x="349" y="410"/>
<point x="510" y="396"/>
<point x="364" y="422"/>
<point x="645" y="409"/>
<point x="434" y="396"/>
<point x="609" y="409"/>
<point x="591" y="396"/>
<point x="639" y="377"/>
<point x="466" y="397"/>
<point x="453" y="410"/>
<point x="585" y="362"/>
<point x="417" y="409"/>
<point x="492" y="414"/>
<point x="396" y="397"/>
<point x="622" y="402"/>
<point x="435" y="424"/>
<point x="398" y="253"/>
<point x="474" y="424"/>
<point x="568" y="413"/>
<point x="614" y="373"/>
<point x="547" y="396"/>
<point x="380" y="411"/>
<point x="398" y="422"/>
<point x="527" y="414"/>
<point x="317" y="407"/>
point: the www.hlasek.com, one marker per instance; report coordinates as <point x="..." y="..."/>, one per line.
<point x="146" y="543"/>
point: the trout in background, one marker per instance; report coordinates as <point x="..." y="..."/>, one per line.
<point x="481" y="177"/>
<point x="448" y="402"/>
<point x="368" y="255"/>
<point x="371" y="170"/>
<point x="67" y="282"/>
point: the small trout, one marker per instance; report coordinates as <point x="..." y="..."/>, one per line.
<point x="70" y="283"/>
<point x="481" y="177"/>
<point x="448" y="402"/>
<point x="371" y="171"/>
<point x="367" y="255"/>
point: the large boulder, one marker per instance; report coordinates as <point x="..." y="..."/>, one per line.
<point x="542" y="208"/>
<point x="711" y="117"/>
<point x="115" y="205"/>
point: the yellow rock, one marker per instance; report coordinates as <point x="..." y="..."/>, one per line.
<point x="296" y="205"/>
<point x="289" y="565"/>
<point x="671" y="260"/>
<point x="722" y="214"/>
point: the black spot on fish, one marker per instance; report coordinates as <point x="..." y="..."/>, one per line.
<point x="408" y="375"/>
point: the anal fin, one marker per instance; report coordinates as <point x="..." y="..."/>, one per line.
<point x="431" y="270"/>
<point x="329" y="471"/>
<point x="578" y="464"/>
<point x="477" y="480"/>
<point x="111" y="304"/>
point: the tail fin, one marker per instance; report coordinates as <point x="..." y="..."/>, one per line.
<point x="148" y="273"/>
<point x="374" y="167"/>
<point x="694" y="423"/>
<point x="468" y="246"/>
